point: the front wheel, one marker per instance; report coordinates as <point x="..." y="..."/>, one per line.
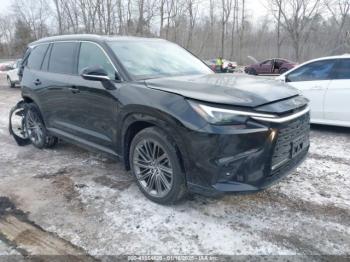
<point x="283" y="70"/>
<point x="252" y="71"/>
<point x="156" y="166"/>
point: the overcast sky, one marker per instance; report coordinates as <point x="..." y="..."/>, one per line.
<point x="255" y="8"/>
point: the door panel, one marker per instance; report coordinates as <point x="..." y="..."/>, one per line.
<point x="314" y="91"/>
<point x="55" y="98"/>
<point x="337" y="105"/>
<point x="55" y="79"/>
<point x="313" y="80"/>
<point x="266" y="67"/>
<point x="94" y="117"/>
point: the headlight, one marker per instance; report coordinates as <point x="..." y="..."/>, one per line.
<point x="222" y="116"/>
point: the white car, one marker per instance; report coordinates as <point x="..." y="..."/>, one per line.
<point x="12" y="75"/>
<point x="326" y="83"/>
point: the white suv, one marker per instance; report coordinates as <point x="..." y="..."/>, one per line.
<point x="326" y="83"/>
<point x="12" y="75"/>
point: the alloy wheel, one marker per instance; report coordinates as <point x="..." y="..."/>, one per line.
<point x="153" y="168"/>
<point x="34" y="127"/>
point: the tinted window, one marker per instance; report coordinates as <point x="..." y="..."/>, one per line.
<point x="36" y="56"/>
<point x="92" y="55"/>
<point x="342" y="69"/>
<point x="320" y="70"/>
<point x="268" y="62"/>
<point x="62" y="59"/>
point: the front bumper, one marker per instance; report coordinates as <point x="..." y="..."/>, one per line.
<point x="247" y="159"/>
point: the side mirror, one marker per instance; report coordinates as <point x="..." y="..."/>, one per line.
<point x="94" y="73"/>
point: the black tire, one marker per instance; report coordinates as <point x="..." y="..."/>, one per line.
<point x="177" y="188"/>
<point x="10" y="83"/>
<point x="35" y="127"/>
<point x="252" y="71"/>
<point x="283" y="70"/>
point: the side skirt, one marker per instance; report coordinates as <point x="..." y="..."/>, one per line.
<point x="84" y="143"/>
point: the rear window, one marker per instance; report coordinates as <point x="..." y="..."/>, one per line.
<point x="63" y="57"/>
<point x="36" y="57"/>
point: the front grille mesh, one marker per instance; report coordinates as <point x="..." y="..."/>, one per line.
<point x="288" y="133"/>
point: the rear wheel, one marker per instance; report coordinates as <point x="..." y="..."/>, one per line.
<point x="156" y="166"/>
<point x="36" y="129"/>
<point x="10" y="83"/>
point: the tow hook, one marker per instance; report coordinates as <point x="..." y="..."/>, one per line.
<point x="17" y="124"/>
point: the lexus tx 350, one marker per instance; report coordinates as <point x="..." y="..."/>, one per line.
<point x="177" y="125"/>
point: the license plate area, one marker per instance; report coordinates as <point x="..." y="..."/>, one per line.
<point x="298" y="145"/>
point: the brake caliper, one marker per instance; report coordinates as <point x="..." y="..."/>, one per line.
<point x="17" y="124"/>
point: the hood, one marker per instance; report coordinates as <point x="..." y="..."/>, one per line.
<point x="247" y="91"/>
<point x="252" y="58"/>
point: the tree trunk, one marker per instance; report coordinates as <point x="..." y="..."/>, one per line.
<point x="59" y="17"/>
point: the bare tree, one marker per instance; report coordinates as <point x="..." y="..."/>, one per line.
<point x="242" y="29"/>
<point x="206" y="27"/>
<point x="279" y="42"/>
<point x="59" y="17"/>
<point x="35" y="14"/>
<point x="340" y="10"/>
<point x="6" y="34"/>
<point x="234" y="27"/>
<point x="140" y="23"/>
<point x="192" y="10"/>
<point x="225" y="16"/>
<point x="297" y="19"/>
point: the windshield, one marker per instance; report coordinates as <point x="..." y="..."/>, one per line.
<point x="153" y="59"/>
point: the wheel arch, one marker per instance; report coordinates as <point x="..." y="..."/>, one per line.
<point x="283" y="70"/>
<point x="135" y="122"/>
<point x="28" y="99"/>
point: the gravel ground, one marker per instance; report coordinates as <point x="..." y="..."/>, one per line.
<point x="93" y="203"/>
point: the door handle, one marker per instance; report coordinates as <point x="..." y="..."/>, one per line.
<point x="37" y="82"/>
<point x="316" y="88"/>
<point x="74" y="90"/>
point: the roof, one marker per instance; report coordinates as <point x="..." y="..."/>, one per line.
<point x="92" y="37"/>
<point x="330" y="57"/>
<point x="344" y="56"/>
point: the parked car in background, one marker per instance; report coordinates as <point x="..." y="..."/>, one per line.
<point x="2" y="67"/>
<point x="6" y="66"/>
<point x="326" y="83"/>
<point x="176" y="124"/>
<point x="270" y="66"/>
<point x="12" y="74"/>
<point x="228" y="66"/>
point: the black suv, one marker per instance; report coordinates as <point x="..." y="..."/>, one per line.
<point x="176" y="124"/>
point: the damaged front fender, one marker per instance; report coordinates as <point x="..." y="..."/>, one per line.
<point x="17" y="124"/>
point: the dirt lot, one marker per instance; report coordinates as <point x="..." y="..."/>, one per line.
<point x="85" y="203"/>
